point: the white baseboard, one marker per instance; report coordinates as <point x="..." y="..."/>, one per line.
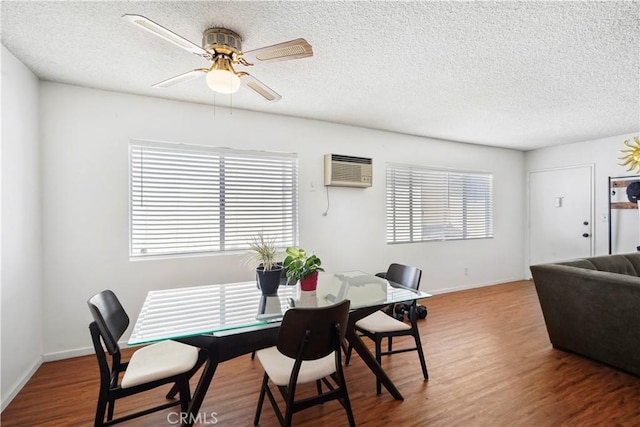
<point x="473" y="286"/>
<point x="49" y="357"/>
<point x="68" y="354"/>
<point x="20" y="384"/>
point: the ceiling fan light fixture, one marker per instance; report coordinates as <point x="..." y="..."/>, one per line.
<point x="222" y="77"/>
<point x="223" y="48"/>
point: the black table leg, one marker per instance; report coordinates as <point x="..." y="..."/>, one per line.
<point x="360" y="347"/>
<point x="219" y="348"/>
<point x="210" y="345"/>
<point x="201" y="391"/>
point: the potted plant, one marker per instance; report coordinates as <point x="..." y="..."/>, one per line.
<point x="268" y="271"/>
<point x="302" y="267"/>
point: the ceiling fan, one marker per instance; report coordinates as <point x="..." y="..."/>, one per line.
<point x="223" y="48"/>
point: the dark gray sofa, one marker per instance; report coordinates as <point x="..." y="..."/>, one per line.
<point x="592" y="307"/>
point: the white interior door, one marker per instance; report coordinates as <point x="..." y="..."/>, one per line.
<point x="560" y="214"/>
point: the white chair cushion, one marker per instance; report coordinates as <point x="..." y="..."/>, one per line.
<point x="157" y="361"/>
<point x="279" y="367"/>
<point x="381" y="322"/>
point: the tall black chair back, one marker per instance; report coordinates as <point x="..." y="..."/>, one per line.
<point x="110" y="317"/>
<point x="405" y="275"/>
<point x="315" y="327"/>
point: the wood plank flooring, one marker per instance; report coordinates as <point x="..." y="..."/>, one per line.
<point x="489" y="359"/>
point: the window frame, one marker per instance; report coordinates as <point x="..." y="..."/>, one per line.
<point x="221" y="206"/>
<point x="404" y="216"/>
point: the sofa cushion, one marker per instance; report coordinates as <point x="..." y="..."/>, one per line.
<point x="580" y="263"/>
<point x="634" y="259"/>
<point x="614" y="264"/>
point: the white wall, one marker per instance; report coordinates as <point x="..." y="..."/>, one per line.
<point x="604" y="155"/>
<point x="21" y="277"/>
<point x="85" y="136"/>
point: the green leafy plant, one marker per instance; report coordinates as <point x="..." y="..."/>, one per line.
<point x="300" y="265"/>
<point x="264" y="252"/>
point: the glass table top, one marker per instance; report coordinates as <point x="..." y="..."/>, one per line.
<point x="183" y="312"/>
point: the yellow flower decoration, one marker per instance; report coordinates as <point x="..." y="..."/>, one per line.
<point x="633" y="158"/>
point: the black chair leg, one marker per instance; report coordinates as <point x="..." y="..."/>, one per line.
<point x="110" y="408"/>
<point x="423" y="364"/>
<point x="288" y="418"/>
<point x="338" y="377"/>
<point x="378" y="342"/>
<point x="185" y="395"/>
<point x="347" y="407"/>
<point x="347" y="353"/>
<point x="100" y="411"/>
<point x="289" y="401"/>
<point x="256" y="419"/>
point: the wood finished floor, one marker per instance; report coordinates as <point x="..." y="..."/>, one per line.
<point x="489" y="359"/>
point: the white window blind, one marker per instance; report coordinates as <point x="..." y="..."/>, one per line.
<point x="428" y="204"/>
<point x="191" y="199"/>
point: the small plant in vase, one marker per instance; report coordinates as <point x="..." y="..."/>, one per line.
<point x="302" y="267"/>
<point x="264" y="253"/>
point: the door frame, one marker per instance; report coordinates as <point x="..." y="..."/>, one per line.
<point x="592" y="213"/>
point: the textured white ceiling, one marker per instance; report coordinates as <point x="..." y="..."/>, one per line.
<point x="520" y="75"/>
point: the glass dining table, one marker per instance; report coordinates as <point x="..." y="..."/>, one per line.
<point x="229" y="320"/>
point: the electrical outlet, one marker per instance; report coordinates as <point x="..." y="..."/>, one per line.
<point x="312" y="186"/>
<point x="466" y="271"/>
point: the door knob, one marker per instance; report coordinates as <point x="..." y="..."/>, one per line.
<point x="585" y="234"/>
<point x="586" y="223"/>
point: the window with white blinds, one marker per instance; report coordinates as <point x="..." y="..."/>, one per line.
<point x="190" y="199"/>
<point x="428" y="204"/>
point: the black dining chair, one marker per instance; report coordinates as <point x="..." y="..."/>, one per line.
<point x="382" y="324"/>
<point x="166" y="362"/>
<point x="307" y="350"/>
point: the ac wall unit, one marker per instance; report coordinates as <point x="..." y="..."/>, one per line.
<point x="347" y="171"/>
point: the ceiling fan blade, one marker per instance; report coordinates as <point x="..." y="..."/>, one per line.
<point x="258" y="87"/>
<point x="189" y="75"/>
<point x="168" y="35"/>
<point x="293" y="49"/>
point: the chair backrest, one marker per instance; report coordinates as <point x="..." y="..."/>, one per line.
<point x="110" y="317"/>
<point x="322" y="327"/>
<point x="405" y="275"/>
